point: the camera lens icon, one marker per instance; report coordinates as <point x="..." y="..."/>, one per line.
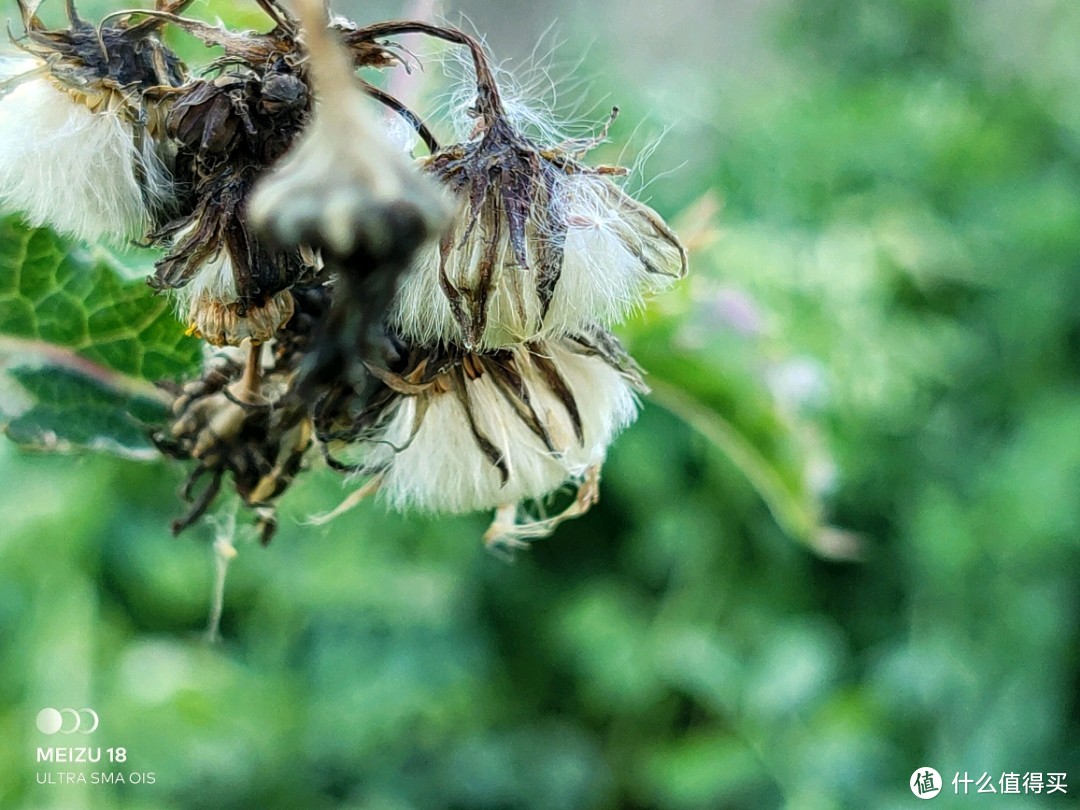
<point x="67" y="721"/>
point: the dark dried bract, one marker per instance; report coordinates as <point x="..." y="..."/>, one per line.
<point x="509" y="188"/>
<point x="87" y="59"/>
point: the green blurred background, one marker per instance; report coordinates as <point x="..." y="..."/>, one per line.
<point x="840" y="544"/>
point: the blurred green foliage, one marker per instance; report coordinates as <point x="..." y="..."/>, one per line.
<point x="893" y="298"/>
<point x="82" y="346"/>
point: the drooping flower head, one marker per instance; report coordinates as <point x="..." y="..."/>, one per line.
<point x="83" y="146"/>
<point x="543" y="245"/>
<point x="450" y="430"/>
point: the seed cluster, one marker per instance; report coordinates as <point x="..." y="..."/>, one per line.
<point x="437" y="327"/>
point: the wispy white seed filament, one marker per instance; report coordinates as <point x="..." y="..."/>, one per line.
<point x="75" y="170"/>
<point x="443" y="470"/>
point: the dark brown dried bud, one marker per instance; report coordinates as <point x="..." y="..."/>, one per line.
<point x="283" y="93"/>
<point x="204" y="119"/>
<point x="345" y="188"/>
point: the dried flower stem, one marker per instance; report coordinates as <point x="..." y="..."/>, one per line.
<point x="250" y="388"/>
<point x="489" y="105"/>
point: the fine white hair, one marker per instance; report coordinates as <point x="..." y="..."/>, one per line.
<point x="73" y="169"/>
<point x="215" y="280"/>
<point x="543" y="97"/>
<point x="615" y="249"/>
<point x="442" y="469"/>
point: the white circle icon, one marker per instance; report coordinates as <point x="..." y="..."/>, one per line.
<point x="925" y="782"/>
<point x="67" y="721"/>
<point x="49" y="721"/>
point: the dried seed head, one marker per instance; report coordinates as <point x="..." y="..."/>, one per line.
<point x="454" y="431"/>
<point x="83" y="173"/>
<point x="489" y="381"/>
<point x="226" y="282"/>
<point x="82" y="142"/>
<point x="543" y="246"/>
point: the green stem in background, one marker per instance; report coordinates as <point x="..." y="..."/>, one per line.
<point x="798" y="517"/>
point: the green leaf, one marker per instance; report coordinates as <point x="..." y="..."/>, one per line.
<point x="81" y="343"/>
<point x="62" y="409"/>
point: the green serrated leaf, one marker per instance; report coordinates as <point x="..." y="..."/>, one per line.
<point x="60" y="293"/>
<point x="80" y="345"/>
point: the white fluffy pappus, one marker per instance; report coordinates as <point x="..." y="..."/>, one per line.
<point x="209" y="303"/>
<point x="215" y="278"/>
<point x="79" y="171"/>
<point x="616" y="250"/>
<point x="544" y="96"/>
<point x="442" y="469"/>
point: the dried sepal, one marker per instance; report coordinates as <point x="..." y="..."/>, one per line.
<point x="91" y="61"/>
<point x="229" y="324"/>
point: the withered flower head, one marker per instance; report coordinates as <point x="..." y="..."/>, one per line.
<point x="451" y="430"/>
<point x="228" y="283"/>
<point x="83" y="117"/>
<point x="543" y="244"/>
